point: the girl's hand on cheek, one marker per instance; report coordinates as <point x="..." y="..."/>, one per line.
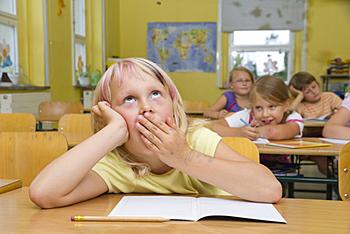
<point x="295" y="92"/>
<point x="164" y="139"/>
<point x="105" y="115"/>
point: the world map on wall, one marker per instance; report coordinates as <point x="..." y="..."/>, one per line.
<point x="182" y="47"/>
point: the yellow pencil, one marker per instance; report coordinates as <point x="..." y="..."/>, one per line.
<point x="117" y="219"/>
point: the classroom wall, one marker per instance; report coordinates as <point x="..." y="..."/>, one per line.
<point x="126" y="24"/>
<point x="112" y="28"/>
<point x="60" y="47"/>
<point x="328" y="33"/>
<point x="134" y="16"/>
<point x="60" y="53"/>
<point x="327" y="36"/>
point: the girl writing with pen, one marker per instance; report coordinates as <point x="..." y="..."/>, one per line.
<point x="269" y="116"/>
<point x="142" y="145"/>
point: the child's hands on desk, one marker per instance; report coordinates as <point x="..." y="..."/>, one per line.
<point x="105" y="115"/>
<point x="166" y="140"/>
<point x="249" y="132"/>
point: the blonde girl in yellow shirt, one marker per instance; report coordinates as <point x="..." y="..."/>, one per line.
<point x="140" y="146"/>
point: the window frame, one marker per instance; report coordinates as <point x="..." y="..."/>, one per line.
<point x="78" y="39"/>
<point x="11" y="20"/>
<point x="290" y="48"/>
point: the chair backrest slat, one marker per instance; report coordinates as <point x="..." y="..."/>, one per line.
<point x="75" y="127"/>
<point x="24" y="154"/>
<point x="194" y="106"/>
<point x="17" y="122"/>
<point x="53" y="111"/>
<point x="243" y="146"/>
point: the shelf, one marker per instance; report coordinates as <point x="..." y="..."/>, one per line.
<point x="336" y="76"/>
<point x="24" y="87"/>
<point x="327" y="78"/>
<point x="85" y="87"/>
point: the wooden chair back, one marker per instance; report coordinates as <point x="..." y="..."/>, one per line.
<point x="24" y="154"/>
<point x="243" y="146"/>
<point x="195" y="106"/>
<point x="17" y="122"/>
<point x="54" y="110"/>
<point x="75" y="127"/>
<point x="344" y="173"/>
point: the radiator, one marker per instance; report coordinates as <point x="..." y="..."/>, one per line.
<point x="22" y="102"/>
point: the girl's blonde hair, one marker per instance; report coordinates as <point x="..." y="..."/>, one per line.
<point x="273" y="90"/>
<point x="137" y="67"/>
<point x="270" y="88"/>
<point x="243" y="69"/>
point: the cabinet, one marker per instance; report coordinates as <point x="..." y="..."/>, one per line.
<point x="335" y="82"/>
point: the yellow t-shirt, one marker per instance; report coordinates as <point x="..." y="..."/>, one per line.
<point x="120" y="178"/>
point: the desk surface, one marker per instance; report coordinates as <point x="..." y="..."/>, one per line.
<point x="18" y="214"/>
<point x="332" y="150"/>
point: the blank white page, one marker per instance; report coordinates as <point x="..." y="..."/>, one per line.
<point x="239" y="209"/>
<point x="171" y="207"/>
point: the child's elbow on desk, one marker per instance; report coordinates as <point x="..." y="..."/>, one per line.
<point x="275" y="193"/>
<point x="40" y="198"/>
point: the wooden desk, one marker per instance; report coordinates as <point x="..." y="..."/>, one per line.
<point x="330" y="151"/>
<point x="18" y="214"/>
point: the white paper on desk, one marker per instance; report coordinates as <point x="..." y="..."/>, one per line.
<point x="261" y="141"/>
<point x="335" y="141"/>
<point x="193" y="209"/>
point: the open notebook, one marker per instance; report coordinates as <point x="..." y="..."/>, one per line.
<point x="292" y="144"/>
<point x="193" y="209"/>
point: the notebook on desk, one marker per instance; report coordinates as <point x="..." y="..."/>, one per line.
<point x="192" y="208"/>
<point x="9" y="184"/>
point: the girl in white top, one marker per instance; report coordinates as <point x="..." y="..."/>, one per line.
<point x="140" y="146"/>
<point x="269" y="116"/>
<point x="338" y="126"/>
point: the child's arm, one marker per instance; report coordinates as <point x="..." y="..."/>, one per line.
<point x="224" y="130"/>
<point x="69" y="178"/>
<point x="336" y="125"/>
<point x="226" y="170"/>
<point x="217" y="110"/>
<point x="299" y="96"/>
<point x="280" y="131"/>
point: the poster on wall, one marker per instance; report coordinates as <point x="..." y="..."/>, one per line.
<point x="183" y="47"/>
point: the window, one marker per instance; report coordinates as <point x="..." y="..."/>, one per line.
<point x="263" y="52"/>
<point x="8" y="37"/>
<point x="79" y="42"/>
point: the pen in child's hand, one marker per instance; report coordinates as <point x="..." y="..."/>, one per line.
<point x="244" y="122"/>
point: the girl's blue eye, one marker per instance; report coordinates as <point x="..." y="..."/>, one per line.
<point x="155" y="94"/>
<point x="129" y="99"/>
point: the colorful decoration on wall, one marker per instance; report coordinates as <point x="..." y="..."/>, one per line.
<point x="5" y="59"/>
<point x="60" y="6"/>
